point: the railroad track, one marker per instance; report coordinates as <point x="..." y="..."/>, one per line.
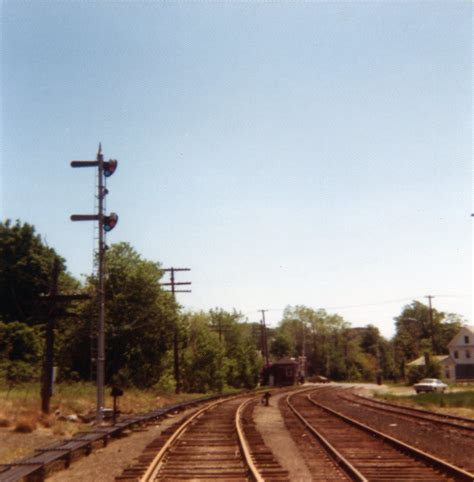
<point x="322" y="464"/>
<point x="218" y="442"/>
<point x="366" y="454"/>
<point x="463" y="424"/>
<point x="60" y="454"/>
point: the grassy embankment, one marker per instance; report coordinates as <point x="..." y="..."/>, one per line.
<point x="24" y="428"/>
<point x="459" y="400"/>
<point x="20" y="408"/>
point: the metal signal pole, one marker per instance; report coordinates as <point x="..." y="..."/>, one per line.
<point x="106" y="223"/>
<point x="173" y="283"/>
<point x="101" y="293"/>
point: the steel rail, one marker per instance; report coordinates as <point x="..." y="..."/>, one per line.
<point x="157" y="462"/>
<point x="244" y="445"/>
<point x="446" y="467"/>
<point x="399" y="410"/>
<point x="445" y="418"/>
<point x="38" y="464"/>
<point x="332" y="451"/>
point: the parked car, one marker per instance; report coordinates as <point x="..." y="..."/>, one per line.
<point x="430" y="385"/>
<point x="318" y="379"/>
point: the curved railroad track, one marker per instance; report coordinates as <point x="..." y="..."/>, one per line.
<point x="445" y="441"/>
<point x="364" y="453"/>
<point x="461" y="424"/>
<point x="217" y="442"/>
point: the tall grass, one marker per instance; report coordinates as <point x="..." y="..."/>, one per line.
<point x="24" y="402"/>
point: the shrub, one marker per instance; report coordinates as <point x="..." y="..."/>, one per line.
<point x="416" y="373"/>
<point x="25" y="425"/>
<point x="4" y="422"/>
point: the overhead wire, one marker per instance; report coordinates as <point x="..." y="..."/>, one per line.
<point x="362" y="305"/>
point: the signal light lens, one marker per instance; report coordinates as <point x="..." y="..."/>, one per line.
<point x="110" y="222"/>
<point x="110" y="167"/>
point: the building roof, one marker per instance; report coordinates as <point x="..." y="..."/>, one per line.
<point x="420" y="361"/>
<point x="463" y="329"/>
<point x="286" y="361"/>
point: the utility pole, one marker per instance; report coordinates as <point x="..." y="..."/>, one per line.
<point x="52" y="313"/>
<point x="263" y="335"/>
<point x="173" y="290"/>
<point x="219" y="328"/>
<point x="47" y="378"/>
<point x="302" y="364"/>
<point x="106" y="224"/>
<point x="431" y="321"/>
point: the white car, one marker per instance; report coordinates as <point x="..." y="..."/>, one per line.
<point x="430" y="385"/>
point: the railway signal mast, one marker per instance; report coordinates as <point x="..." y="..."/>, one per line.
<point x="106" y="224"/>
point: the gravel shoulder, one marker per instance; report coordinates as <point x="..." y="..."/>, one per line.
<point x="106" y="463"/>
<point x="109" y="462"/>
<point x="271" y="425"/>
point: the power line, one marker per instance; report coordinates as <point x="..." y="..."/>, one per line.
<point x="362" y="305"/>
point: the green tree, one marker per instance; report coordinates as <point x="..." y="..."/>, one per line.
<point x="320" y="336"/>
<point x="26" y="265"/>
<point x="219" y="352"/>
<point x="417" y="333"/>
<point x="202" y="367"/>
<point x="20" y="352"/>
<point x="378" y="352"/>
<point x="140" y="317"/>
<point x="280" y="346"/>
<point x="25" y="271"/>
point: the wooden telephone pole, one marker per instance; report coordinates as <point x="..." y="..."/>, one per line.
<point x="263" y="336"/>
<point x="430" y="297"/>
<point x="173" y="290"/>
<point x="52" y="299"/>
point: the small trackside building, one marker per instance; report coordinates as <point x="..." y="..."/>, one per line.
<point x="283" y="372"/>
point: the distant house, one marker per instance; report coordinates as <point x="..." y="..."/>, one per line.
<point x="445" y="361"/>
<point x="459" y="364"/>
<point x="461" y="350"/>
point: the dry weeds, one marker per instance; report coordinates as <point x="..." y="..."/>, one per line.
<point x="23" y="427"/>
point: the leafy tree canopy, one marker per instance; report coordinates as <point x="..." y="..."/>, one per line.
<point x="417" y="332"/>
<point x="20" y="352"/>
<point x="140" y="317"/>
<point x="25" y="271"/>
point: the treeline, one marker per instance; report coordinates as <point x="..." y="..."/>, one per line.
<point x="337" y="351"/>
<point x="217" y="349"/>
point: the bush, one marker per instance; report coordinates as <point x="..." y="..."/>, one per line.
<point x="416" y="373"/>
<point x="25" y="425"/>
<point x="166" y="383"/>
<point x="4" y="422"/>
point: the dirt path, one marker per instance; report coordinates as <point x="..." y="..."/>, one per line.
<point x="270" y="424"/>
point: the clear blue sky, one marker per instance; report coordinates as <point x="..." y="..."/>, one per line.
<point x="310" y="153"/>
